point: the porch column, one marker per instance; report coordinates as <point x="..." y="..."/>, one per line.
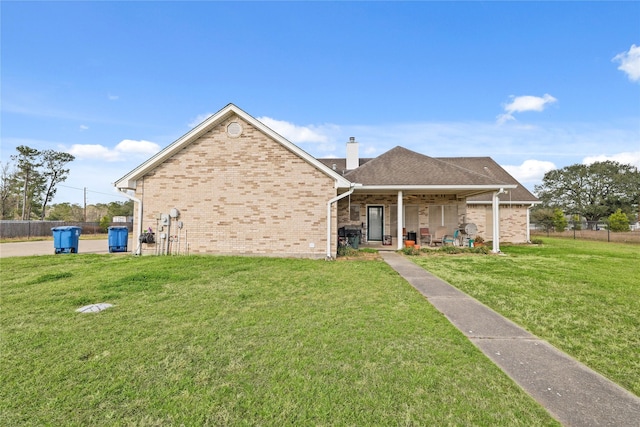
<point x="528" y="229"/>
<point x="495" y="207"/>
<point x="400" y="220"/>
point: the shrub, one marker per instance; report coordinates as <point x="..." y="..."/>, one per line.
<point x="559" y="220"/>
<point x="452" y="249"/>
<point x="105" y="222"/>
<point x="536" y="241"/>
<point x="480" y="250"/>
<point x="618" y="221"/>
<point x="410" y="250"/>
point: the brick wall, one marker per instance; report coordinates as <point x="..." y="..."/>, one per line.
<point x="513" y="222"/>
<point x="423" y="201"/>
<point x="239" y="195"/>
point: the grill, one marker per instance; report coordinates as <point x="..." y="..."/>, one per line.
<point x="349" y="236"/>
<point x="469" y="229"/>
<point x="467" y="232"/>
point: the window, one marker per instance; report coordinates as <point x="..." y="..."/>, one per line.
<point x="446" y="215"/>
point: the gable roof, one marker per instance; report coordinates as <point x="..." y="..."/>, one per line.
<point x="128" y="181"/>
<point x="403" y="169"/>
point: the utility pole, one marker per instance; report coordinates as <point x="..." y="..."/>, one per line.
<point x="85" y="204"/>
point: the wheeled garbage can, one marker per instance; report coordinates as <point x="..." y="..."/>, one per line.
<point x="65" y="239"/>
<point x="118" y="238"/>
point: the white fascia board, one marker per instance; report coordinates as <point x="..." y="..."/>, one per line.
<point x="505" y="202"/>
<point x="125" y="184"/>
<point x="445" y="188"/>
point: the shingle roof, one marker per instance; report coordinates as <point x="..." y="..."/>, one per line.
<point x="400" y="166"/>
<point x="340" y="164"/>
<point x="487" y="166"/>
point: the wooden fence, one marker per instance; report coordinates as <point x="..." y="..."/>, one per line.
<point x="29" y="229"/>
<point x="601" y="235"/>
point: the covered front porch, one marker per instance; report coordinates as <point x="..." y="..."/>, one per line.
<point x="384" y="220"/>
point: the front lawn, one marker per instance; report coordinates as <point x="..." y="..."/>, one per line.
<point x="237" y="341"/>
<point x="581" y="296"/>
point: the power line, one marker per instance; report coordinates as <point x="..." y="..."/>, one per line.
<point x="92" y="191"/>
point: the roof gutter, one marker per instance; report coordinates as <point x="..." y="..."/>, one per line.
<point x="484" y="188"/>
<point x="138" y="221"/>
<point x="329" y="203"/>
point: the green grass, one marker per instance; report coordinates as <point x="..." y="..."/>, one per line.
<point x="237" y="341"/>
<point x="581" y="296"/>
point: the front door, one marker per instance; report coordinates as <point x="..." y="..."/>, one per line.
<point x="375" y="223"/>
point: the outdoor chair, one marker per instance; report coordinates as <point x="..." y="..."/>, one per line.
<point x="441" y="232"/>
<point x="453" y="240"/>
<point x="425" y="236"/>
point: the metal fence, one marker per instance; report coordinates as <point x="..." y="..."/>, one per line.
<point x="601" y="235"/>
<point x="29" y="229"/>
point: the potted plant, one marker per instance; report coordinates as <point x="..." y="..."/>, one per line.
<point x="478" y="241"/>
<point x="148" y="236"/>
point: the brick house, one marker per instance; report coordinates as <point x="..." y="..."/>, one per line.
<point x="232" y="185"/>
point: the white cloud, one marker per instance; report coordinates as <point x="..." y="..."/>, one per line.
<point x="630" y="62"/>
<point x="112" y="97"/>
<point x="84" y="127"/>
<point x="91" y="151"/>
<point x="198" y="119"/>
<point x="530" y="170"/>
<point x="294" y="133"/>
<point x="627" y="158"/>
<point x="124" y="150"/>
<point x="520" y="104"/>
<point x="142" y="147"/>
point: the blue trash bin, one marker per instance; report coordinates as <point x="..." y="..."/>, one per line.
<point x="118" y="239"/>
<point x="65" y="239"/>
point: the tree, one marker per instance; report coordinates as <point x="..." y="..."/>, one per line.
<point x="559" y="220"/>
<point x="593" y="191"/>
<point x="105" y="222"/>
<point x="618" y="221"/>
<point x="120" y="208"/>
<point x="54" y="173"/>
<point x="28" y="175"/>
<point x="37" y="174"/>
<point x="543" y="216"/>
<point x="65" y="212"/>
<point x="8" y="192"/>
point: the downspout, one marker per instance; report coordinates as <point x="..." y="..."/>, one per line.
<point x="335" y="199"/>
<point x="495" y="202"/>
<point x="139" y="220"/>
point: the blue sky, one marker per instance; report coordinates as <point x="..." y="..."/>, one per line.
<point x="534" y="85"/>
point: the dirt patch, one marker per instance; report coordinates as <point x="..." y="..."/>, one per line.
<point x="364" y="256"/>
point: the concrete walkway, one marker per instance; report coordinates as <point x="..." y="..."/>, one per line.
<point x="571" y="392"/>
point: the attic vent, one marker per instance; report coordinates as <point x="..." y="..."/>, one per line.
<point x="234" y="129"/>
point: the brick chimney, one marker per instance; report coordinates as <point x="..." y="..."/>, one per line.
<point x="353" y="160"/>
